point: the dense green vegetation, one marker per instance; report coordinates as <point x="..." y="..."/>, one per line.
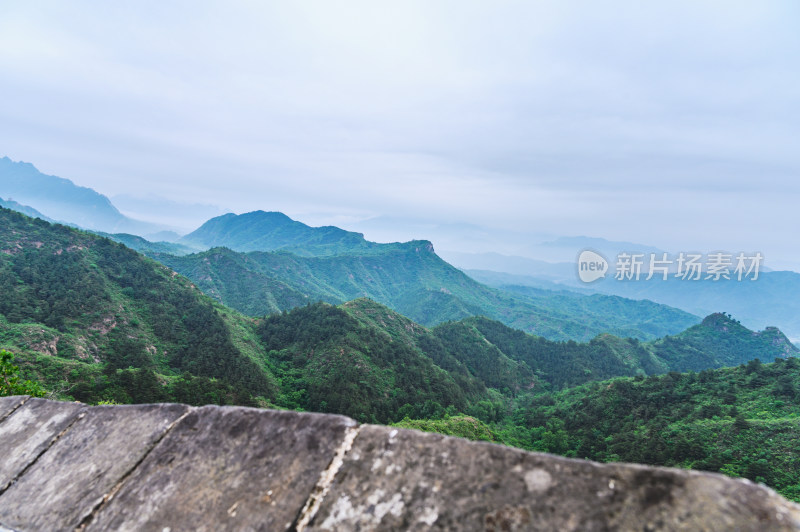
<point x="89" y="319"/>
<point x="513" y="355"/>
<point x="459" y="426"/>
<point x="92" y="301"/>
<point x="10" y="383"/>
<point x="720" y="341"/>
<point x="742" y="421"/>
<point x="411" y="279"/>
<point x="331" y="362"/>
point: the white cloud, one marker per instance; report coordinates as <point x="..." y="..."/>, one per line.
<point x="510" y="114"/>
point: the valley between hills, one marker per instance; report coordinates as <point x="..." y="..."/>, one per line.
<point x="261" y="310"/>
<point x="392" y="334"/>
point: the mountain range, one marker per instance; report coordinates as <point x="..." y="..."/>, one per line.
<point x="89" y="318"/>
<point x="757" y="304"/>
<point x="96" y="320"/>
<point x="60" y="199"/>
<point x="761" y="303"/>
<point x="409" y="278"/>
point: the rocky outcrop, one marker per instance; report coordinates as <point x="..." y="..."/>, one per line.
<point x="67" y="466"/>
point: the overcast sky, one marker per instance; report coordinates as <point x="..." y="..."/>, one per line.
<point x="676" y="125"/>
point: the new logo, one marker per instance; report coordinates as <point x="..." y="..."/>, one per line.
<point x="591" y="266"/>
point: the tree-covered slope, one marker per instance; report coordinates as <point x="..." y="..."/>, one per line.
<point x="93" y="320"/>
<point x="411" y="279"/>
<point x="561" y="364"/>
<point x="365" y="361"/>
<point x="721" y="341"/>
<point x="742" y="421"/>
<point x="718" y="341"/>
<point x="637" y="318"/>
<point x="91" y="303"/>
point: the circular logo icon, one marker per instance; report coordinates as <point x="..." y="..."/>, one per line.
<point x="591" y="266"/>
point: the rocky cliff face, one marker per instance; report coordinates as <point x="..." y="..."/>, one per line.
<point x="67" y="466"/>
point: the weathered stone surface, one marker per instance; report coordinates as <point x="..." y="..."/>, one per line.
<point x="8" y="404"/>
<point x="397" y="479"/>
<point x="169" y="467"/>
<point x="70" y="480"/>
<point x="28" y="431"/>
<point x="227" y="469"/>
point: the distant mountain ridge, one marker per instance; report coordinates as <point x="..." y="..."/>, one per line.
<point x="98" y="321"/>
<point x="718" y="341"/>
<point x="24" y="209"/>
<point x="272" y="231"/>
<point x="142" y="245"/>
<point x="411" y="279"/>
<point x="61" y="199"/>
<point x="769" y="301"/>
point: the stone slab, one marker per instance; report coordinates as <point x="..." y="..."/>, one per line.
<point x="407" y="480"/>
<point x="227" y="468"/>
<point x="28" y="432"/>
<point x="71" y="479"/>
<point x="9" y="403"/>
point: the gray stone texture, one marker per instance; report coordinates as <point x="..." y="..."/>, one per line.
<point x="171" y="467"/>
<point x="27" y="433"/>
<point x="227" y="469"/>
<point x="8" y="404"/>
<point x="397" y="480"/>
<point x="68" y="481"/>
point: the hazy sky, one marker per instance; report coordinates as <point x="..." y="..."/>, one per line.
<point x="676" y="125"/>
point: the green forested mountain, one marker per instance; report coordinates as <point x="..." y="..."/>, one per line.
<point x="365" y="361"/>
<point x="637" y="318"/>
<point x="767" y="301"/>
<point x="87" y="299"/>
<point x="90" y="319"/>
<point x="742" y="421"/>
<point x="560" y="364"/>
<point x="721" y="341"/>
<point x="142" y="245"/>
<point x="74" y="304"/>
<point x="269" y="231"/>
<point x="716" y="342"/>
<point x="758" y="304"/>
<point x="411" y="279"/>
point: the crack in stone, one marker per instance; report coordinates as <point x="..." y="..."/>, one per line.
<point x="118" y="486"/>
<point x="14" y="410"/>
<point x="80" y="415"/>
<point x="319" y="492"/>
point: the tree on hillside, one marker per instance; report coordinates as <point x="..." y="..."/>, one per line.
<point x="9" y="379"/>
